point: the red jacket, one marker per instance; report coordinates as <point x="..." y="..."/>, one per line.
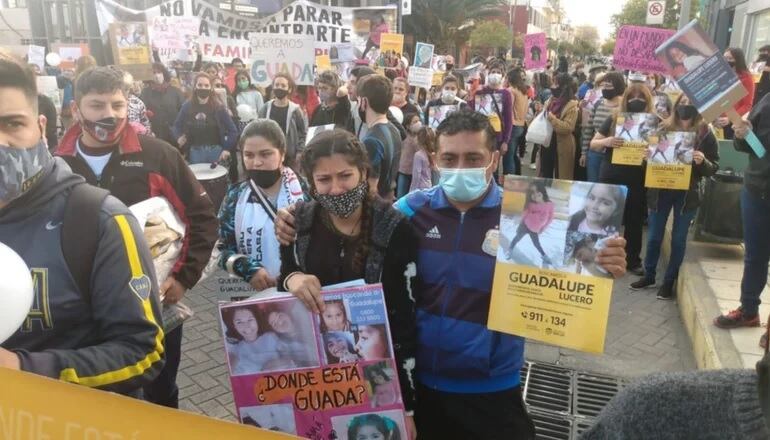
<point x="148" y="167"/>
<point x="744" y="105"/>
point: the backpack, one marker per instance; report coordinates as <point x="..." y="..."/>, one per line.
<point x="80" y="233"/>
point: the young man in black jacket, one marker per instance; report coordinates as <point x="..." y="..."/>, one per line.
<point x="105" y="149"/>
<point x="109" y="337"/>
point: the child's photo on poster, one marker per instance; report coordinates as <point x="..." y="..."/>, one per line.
<point x="278" y="417"/>
<point x="385" y="425"/>
<point x="382" y="384"/>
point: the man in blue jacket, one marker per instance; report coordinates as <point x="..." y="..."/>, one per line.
<point x="468" y="376"/>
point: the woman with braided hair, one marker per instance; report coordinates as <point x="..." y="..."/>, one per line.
<point x="348" y="233"/>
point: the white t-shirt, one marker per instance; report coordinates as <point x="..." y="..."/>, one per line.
<point x="97" y="163"/>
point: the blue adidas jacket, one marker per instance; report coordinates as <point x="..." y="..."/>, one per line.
<point x="456" y="352"/>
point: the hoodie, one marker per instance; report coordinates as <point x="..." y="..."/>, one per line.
<point x="111" y="340"/>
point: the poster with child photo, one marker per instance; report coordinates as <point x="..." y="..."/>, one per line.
<point x="316" y="376"/>
<point x="669" y="161"/>
<point x="547" y="284"/>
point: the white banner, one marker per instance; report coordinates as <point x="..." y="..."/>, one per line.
<point x="274" y="53"/>
<point x="174" y="32"/>
<point x="329" y="26"/>
<point x="420" y="77"/>
<point x="223" y="50"/>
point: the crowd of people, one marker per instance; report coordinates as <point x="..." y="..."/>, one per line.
<point x="362" y="200"/>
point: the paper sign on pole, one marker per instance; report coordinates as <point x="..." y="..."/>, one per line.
<point x="669" y="165"/>
<point x="131" y="49"/>
<point x="423" y="54"/>
<point x="33" y="406"/>
<point x="420" y="77"/>
<point x="274" y="53"/>
<point x="36" y="56"/>
<point x="635" y="48"/>
<point x="547" y="286"/>
<point x="392" y="42"/>
<point x="656" y="11"/>
<point x="305" y="374"/>
<point x="704" y="76"/>
<point x="535" y="51"/>
<point x="637" y="130"/>
<point x="179" y="33"/>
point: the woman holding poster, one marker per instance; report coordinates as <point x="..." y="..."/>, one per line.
<point x="203" y="127"/>
<point x="345" y="234"/>
<point x="636" y="99"/>
<point x="684" y="204"/>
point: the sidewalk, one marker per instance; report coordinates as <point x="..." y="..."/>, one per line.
<point x="710" y="284"/>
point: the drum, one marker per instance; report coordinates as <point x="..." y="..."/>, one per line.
<point x="214" y="181"/>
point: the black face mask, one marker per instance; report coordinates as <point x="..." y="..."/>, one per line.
<point x="609" y="93"/>
<point x="731" y="64"/>
<point x="556" y="91"/>
<point x="450" y="66"/>
<point x="280" y="93"/>
<point x="264" y="178"/>
<point x="636" y="105"/>
<point x="202" y="93"/>
<point x="686" y="112"/>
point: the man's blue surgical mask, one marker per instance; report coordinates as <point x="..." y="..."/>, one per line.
<point x="464" y="184"/>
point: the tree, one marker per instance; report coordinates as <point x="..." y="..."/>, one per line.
<point x="634" y="12"/>
<point x="608" y="47"/>
<point x="491" y="35"/>
<point x="587" y="33"/>
<point x="583" y="48"/>
<point x="448" y="23"/>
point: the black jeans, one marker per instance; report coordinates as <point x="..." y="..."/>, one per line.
<point x="633" y="215"/>
<point x="489" y="416"/>
<point x="520" y="233"/>
<point x="549" y="160"/>
<point x="163" y="390"/>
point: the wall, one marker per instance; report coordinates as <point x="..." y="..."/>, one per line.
<point x="18" y="19"/>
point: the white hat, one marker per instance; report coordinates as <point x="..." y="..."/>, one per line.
<point x="637" y="76"/>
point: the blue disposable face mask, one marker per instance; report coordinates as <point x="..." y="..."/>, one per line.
<point x="464" y="184"/>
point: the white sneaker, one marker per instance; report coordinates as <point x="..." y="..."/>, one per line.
<point x="533" y="166"/>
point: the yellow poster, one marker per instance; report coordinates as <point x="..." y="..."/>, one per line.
<point x="37" y="407"/>
<point x="636" y="130"/>
<point x="131" y="49"/>
<point x="547" y="285"/>
<point x="323" y="63"/>
<point x="669" y="162"/>
<point x="392" y="42"/>
<point x="438" y="78"/>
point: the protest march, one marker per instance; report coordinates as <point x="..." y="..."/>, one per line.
<point x="386" y="220"/>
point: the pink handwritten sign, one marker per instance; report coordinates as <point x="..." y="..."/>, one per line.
<point x="535" y="51"/>
<point x="635" y="48"/>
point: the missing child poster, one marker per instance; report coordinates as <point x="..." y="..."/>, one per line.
<point x="669" y="164"/>
<point x="131" y="49"/>
<point x="316" y="376"/>
<point x="547" y="286"/>
<point x="437" y="114"/>
<point x="634" y="129"/>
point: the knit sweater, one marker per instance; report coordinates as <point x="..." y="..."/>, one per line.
<point x="600" y="114"/>
<point x="718" y="404"/>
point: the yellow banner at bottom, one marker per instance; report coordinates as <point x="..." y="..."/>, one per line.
<point x="37" y="407"/>
<point x="558" y="308"/>
<point x="629" y="154"/>
<point x="668" y="176"/>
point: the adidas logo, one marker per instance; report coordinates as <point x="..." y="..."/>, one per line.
<point x="434" y="233"/>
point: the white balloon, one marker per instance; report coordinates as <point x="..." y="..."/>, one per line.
<point x="397" y="113"/>
<point x="15" y="292"/>
<point x="53" y="59"/>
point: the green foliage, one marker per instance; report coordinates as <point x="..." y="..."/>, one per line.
<point x="608" y="47"/>
<point x="448" y="23"/>
<point x="491" y="35"/>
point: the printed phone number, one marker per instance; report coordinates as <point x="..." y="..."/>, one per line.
<point x="542" y="317"/>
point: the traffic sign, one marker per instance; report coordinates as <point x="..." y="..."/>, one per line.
<point x="656" y="9"/>
<point x="406" y="7"/>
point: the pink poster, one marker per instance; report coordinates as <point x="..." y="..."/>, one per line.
<point x="635" y="48"/>
<point x="535" y="51"/>
<point x="328" y="376"/>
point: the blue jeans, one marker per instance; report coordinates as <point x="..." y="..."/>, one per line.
<point x="667" y="201"/>
<point x="204" y="154"/>
<point x="403" y="182"/>
<point x="511" y="160"/>
<point x="756" y="242"/>
<point x="593" y="165"/>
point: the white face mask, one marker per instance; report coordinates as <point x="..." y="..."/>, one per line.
<point x="159" y="78"/>
<point x="494" y="79"/>
<point x="448" y="97"/>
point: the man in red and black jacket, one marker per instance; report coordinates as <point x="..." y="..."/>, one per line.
<point x="104" y="149"/>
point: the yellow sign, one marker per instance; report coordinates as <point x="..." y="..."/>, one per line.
<point x="629" y="154"/>
<point x="668" y="176"/>
<point x="392" y="42"/>
<point x="37" y="407"/>
<point x="323" y="63"/>
<point x="437" y="79"/>
<point x="133" y="55"/>
<point x="564" y="309"/>
<point x="494" y="121"/>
